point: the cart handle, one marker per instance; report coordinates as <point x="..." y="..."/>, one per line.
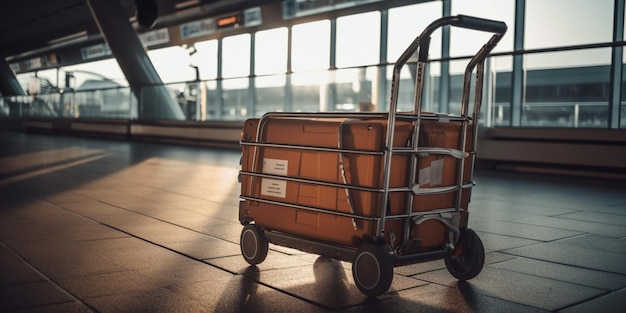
<point x="477" y="23"/>
<point x="463" y="21"/>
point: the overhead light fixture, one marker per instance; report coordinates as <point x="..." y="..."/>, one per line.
<point x="186" y="4"/>
<point x="73" y="37"/>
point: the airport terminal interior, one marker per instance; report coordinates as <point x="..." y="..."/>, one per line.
<point x="313" y="156"/>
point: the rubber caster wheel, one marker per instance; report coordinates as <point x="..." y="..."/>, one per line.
<point x="253" y="244"/>
<point x="372" y="270"/>
<point x="470" y="261"/>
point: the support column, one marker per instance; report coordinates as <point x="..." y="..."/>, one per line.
<point x="154" y="100"/>
<point x="444" y="79"/>
<point x="615" y="100"/>
<point x="517" y="83"/>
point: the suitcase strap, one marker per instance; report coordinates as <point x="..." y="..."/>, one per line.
<point x="343" y="172"/>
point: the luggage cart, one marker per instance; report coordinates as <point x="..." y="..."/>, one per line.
<point x="377" y="190"/>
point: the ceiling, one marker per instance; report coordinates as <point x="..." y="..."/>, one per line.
<point x="27" y="25"/>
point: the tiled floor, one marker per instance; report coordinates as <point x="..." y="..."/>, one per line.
<point x="90" y="225"/>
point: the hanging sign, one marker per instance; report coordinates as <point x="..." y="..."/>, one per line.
<point x="197" y="28"/>
<point x="155" y="37"/>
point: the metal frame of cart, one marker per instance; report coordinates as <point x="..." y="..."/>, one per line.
<point x="373" y="261"/>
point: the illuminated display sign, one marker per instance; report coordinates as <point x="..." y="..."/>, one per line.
<point x="229" y="21"/>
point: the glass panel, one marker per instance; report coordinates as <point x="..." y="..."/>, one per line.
<point x="173" y="64"/>
<point x="310" y="46"/>
<point x="358" y="39"/>
<point x="567" y="89"/>
<point x="567" y="22"/>
<point x="41" y="82"/>
<point x="104" y="103"/>
<point x="236" y="97"/>
<point x="351" y="89"/>
<point x="623" y="116"/>
<point x="270" y="55"/>
<point x="6" y="107"/>
<point x="498" y="108"/>
<point x="48" y="81"/>
<point x="94" y="75"/>
<point x="211" y="96"/>
<point x="407" y="22"/>
<point x="206" y="59"/>
<point x="406" y="88"/>
<point x="236" y="56"/>
<point x="186" y="96"/>
<point x="309" y="92"/>
<point x="43" y="105"/>
<point x="466" y="42"/>
<point x="496" y="92"/>
<point x="270" y="94"/>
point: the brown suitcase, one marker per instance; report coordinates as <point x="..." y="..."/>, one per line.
<point x="364" y="170"/>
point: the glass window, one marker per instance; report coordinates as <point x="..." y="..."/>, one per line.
<point x="236" y="56"/>
<point x="567" y="22"/>
<point x="353" y="89"/>
<point x="567" y="88"/>
<point x="466" y="42"/>
<point x="407" y="22"/>
<point x="98" y="90"/>
<point x="310" y="46"/>
<point x="309" y="91"/>
<point x="406" y="87"/>
<point x="172" y="64"/>
<point x="270" y="56"/>
<point x="358" y="39"/>
<point x="93" y="75"/>
<point x="497" y="111"/>
<point x="270" y="94"/>
<point x="235" y="95"/>
<point x="211" y="99"/>
<point x="206" y="59"/>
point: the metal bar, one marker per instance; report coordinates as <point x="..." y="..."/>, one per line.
<point x="334" y="251"/>
<point x="313" y="181"/>
<point x="309" y="208"/>
<point x="309" y="148"/>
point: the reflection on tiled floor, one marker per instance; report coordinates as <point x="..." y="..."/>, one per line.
<point x="90" y="225"/>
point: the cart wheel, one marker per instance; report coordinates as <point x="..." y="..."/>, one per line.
<point x="372" y="270"/>
<point x="253" y="244"/>
<point x="470" y="262"/>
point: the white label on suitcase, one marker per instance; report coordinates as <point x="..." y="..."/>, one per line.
<point x="275" y="166"/>
<point x="274" y="188"/>
<point x="432" y="175"/>
<point x="436" y="172"/>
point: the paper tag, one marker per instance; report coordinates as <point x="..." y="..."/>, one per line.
<point x="274" y="188"/>
<point x="436" y="172"/>
<point x="275" y="166"/>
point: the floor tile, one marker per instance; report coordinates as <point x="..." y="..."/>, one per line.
<point x="574" y="256"/>
<point x="534" y="291"/>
